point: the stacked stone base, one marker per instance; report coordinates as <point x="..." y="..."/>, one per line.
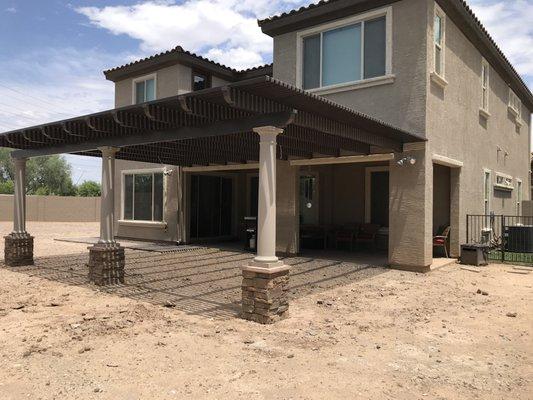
<point x="106" y="265"/>
<point x="18" y="250"/>
<point x="264" y="294"/>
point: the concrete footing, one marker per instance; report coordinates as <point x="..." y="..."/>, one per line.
<point x="18" y="250"/>
<point x="411" y="268"/>
<point x="106" y="265"/>
<point x="264" y="293"/>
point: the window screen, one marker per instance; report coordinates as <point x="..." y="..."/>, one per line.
<point x="375" y="48"/>
<point x="341" y="55"/>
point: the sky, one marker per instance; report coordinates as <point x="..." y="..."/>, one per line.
<point x="53" y="52"/>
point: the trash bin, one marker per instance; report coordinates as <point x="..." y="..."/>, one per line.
<point x="250" y="228"/>
<point x="475" y="254"/>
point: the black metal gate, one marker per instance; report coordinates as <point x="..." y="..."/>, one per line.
<point x="509" y="237"/>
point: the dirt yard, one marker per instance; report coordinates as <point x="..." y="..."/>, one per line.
<point x="355" y="330"/>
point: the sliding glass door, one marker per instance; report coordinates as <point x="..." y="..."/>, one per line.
<point x="211" y="206"/>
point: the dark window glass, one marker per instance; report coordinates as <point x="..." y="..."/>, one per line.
<point x="199" y="82"/>
<point x="128" y="197"/>
<point x="143" y="197"/>
<point x="375" y="48"/>
<point x="311" y="65"/>
<point x="139" y="92"/>
<point x="158" y="197"/>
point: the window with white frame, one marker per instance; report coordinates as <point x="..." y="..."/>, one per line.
<point x="144" y="89"/>
<point x="143" y="196"/>
<point x="518" y="196"/>
<point x="485" y="72"/>
<point x="515" y="105"/>
<point x="346" y="52"/>
<point x="439" y="26"/>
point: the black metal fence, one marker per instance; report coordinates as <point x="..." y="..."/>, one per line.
<point x="509" y="237"/>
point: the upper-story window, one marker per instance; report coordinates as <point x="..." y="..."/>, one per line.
<point x="515" y="105"/>
<point x="200" y="81"/>
<point x="144" y="89"/>
<point x="346" y="52"/>
<point x="439" y="35"/>
<point x="485" y="73"/>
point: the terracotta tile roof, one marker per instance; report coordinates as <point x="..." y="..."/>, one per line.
<point x="295" y="11"/>
<point x="180" y="50"/>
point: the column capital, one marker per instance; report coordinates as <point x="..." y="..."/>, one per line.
<point x="108" y="150"/>
<point x="268" y="132"/>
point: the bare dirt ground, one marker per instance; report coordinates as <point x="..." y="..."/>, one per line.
<point x="355" y="330"/>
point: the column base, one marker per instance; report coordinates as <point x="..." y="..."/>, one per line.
<point x="106" y="264"/>
<point x="411" y="268"/>
<point x="18" y="250"/>
<point x="264" y="292"/>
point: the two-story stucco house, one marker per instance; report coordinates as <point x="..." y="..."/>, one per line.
<point x="401" y="117"/>
<point x="424" y="66"/>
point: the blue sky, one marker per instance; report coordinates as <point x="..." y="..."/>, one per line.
<point x="52" y="52"/>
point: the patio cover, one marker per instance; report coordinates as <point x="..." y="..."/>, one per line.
<point x="214" y="126"/>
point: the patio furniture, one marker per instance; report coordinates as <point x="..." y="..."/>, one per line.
<point x="442" y="240"/>
<point x="312" y="235"/>
<point x="346" y="234"/>
<point x="367" y="235"/>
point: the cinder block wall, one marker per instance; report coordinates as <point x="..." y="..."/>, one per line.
<point x="54" y="208"/>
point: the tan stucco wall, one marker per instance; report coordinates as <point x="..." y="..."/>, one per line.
<point x="170" y="81"/>
<point x="401" y="103"/>
<point x="170" y="205"/>
<point x="287" y="208"/>
<point x="456" y="130"/>
<point x="54" y="208"/>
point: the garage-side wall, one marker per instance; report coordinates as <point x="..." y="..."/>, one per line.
<point x="457" y="130"/>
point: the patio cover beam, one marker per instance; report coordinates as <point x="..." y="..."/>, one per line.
<point x="280" y="120"/>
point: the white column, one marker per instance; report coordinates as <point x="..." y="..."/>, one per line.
<point x="19" y="209"/>
<point x="266" y="218"/>
<point x="107" y="198"/>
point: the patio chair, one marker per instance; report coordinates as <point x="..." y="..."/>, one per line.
<point x="442" y="240"/>
<point x="346" y="234"/>
<point x="367" y="235"/>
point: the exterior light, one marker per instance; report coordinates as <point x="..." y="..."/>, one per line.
<point x="405" y="160"/>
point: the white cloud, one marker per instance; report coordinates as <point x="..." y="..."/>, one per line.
<point x="225" y="30"/>
<point x="11" y="10"/>
<point x="510" y="23"/>
<point x="54" y="84"/>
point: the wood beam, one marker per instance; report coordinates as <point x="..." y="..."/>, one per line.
<point x="220" y="128"/>
<point x="344" y="159"/>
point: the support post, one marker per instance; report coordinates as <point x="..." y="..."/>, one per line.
<point x="18" y="250"/>
<point x="265" y="279"/>
<point x="107" y="258"/>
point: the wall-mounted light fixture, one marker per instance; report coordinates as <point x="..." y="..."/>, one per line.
<point x="406" y="161"/>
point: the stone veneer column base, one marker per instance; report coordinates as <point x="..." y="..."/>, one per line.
<point x="106" y="265"/>
<point x="264" y="292"/>
<point x="18" y="250"/>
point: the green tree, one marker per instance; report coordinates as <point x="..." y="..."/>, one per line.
<point x="89" y="189"/>
<point x="7" y="187"/>
<point x="44" y="175"/>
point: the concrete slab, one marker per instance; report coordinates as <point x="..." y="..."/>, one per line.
<point x="135" y="244"/>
